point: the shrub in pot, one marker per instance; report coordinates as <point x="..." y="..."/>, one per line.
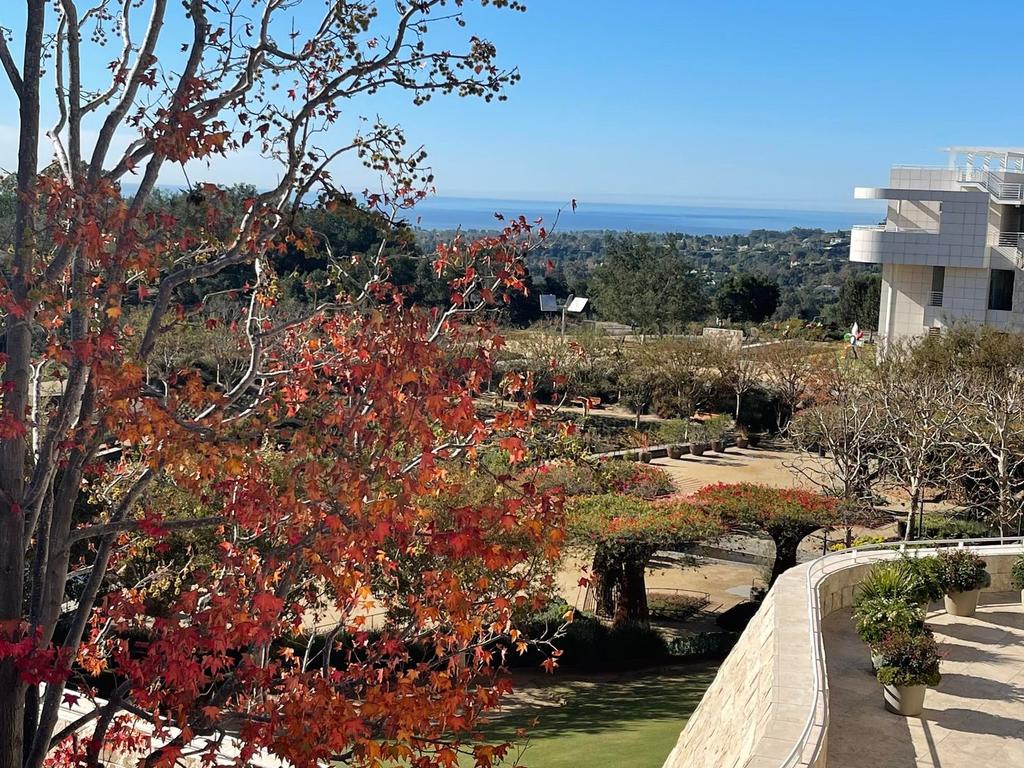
<point x="1017" y="576"/>
<point x="909" y="663"/>
<point x="697" y="434"/>
<point x="879" y="616"/>
<point x="716" y="428"/>
<point x="962" y="575"/>
<point x="677" y="451"/>
<point x="924" y="571"/>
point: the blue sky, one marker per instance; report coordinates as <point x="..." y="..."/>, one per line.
<point x="780" y="104"/>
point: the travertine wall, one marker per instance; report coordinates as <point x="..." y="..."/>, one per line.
<point x="756" y="711"/>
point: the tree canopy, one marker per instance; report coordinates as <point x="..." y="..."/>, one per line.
<point x="747" y="297"/>
<point x="646" y="285"/>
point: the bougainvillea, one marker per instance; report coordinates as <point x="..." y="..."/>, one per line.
<point x="787" y="515"/>
<point x="624" y="532"/>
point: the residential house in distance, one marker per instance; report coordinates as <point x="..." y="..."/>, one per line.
<point x="952" y="243"/>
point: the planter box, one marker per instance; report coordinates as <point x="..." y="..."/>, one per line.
<point x="962" y="603"/>
<point x="906" y="700"/>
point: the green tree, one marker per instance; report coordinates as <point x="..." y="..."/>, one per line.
<point x="747" y="297"/>
<point x="859" y="297"/>
<point x="647" y="285"/>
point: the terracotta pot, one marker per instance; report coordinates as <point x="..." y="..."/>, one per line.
<point x="697" y="449"/>
<point x="906" y="700"/>
<point x="678" y="451"/>
<point x="962" y="603"/>
<point x="717" y="446"/>
<point x="741" y="442"/>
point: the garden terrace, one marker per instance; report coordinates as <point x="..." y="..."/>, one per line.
<point x="774" y="698"/>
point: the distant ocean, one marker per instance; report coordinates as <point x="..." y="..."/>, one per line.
<point x="478" y="213"/>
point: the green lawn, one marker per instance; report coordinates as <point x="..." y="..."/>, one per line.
<point x="627" y="720"/>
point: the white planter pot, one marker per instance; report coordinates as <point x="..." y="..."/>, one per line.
<point x="962" y="603"/>
<point x="906" y="700"/>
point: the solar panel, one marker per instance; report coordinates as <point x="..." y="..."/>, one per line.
<point x="548" y="303"/>
<point x="577" y="305"/>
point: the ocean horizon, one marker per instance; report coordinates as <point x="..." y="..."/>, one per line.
<point x="479" y="213"/>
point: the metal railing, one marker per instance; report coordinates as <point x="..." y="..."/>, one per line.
<point x="1011" y="240"/>
<point x="816" y="725"/>
<point x="935" y="298"/>
<point x="993" y="184"/>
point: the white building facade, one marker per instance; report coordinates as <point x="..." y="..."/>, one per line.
<point x="952" y="245"/>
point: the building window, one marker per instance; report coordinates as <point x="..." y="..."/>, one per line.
<point x="938" y="286"/>
<point x="1000" y="290"/>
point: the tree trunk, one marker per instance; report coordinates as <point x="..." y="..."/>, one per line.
<point x="785" y="555"/>
<point x="605" y="577"/>
<point x="18" y="349"/>
<point x="631" y="607"/>
<point x="738" y="397"/>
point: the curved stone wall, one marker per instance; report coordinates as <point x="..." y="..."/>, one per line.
<point x="768" y="704"/>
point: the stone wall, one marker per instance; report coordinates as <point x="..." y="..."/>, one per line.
<point x="747" y="719"/>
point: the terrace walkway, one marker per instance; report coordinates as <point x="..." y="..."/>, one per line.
<point x="975" y="717"/>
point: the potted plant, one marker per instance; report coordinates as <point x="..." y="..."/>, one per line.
<point x="924" y="571"/>
<point x="754" y="439"/>
<point x="742" y="436"/>
<point x="673" y="434"/>
<point x="1017" y="576"/>
<point x="909" y="664"/>
<point x="697" y="434"/>
<point x="715" y="428"/>
<point x="878" y="616"/>
<point x="962" y="575"/>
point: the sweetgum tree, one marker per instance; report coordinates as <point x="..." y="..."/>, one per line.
<point x="310" y="462"/>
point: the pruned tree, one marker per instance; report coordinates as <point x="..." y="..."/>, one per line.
<point x="841" y="437"/>
<point x="624" y="533"/>
<point x="684" y="375"/>
<point x="789" y="367"/>
<point x="917" y="418"/>
<point x="312" y="457"/>
<point x="786" y="515"/>
<point x="738" y="369"/>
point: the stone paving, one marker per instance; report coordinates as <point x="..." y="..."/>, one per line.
<point x="975" y="717"/>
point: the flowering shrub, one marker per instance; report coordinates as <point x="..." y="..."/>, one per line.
<point x="961" y="570"/>
<point x="787" y="515"/>
<point x="634" y="479"/>
<point x="908" y="659"/>
<point x="878" y="616"/>
<point x="625" y="532"/>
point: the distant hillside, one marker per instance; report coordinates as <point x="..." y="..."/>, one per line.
<point x="809" y="265"/>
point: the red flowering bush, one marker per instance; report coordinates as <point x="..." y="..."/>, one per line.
<point x="625" y="532"/>
<point x="787" y="515"/>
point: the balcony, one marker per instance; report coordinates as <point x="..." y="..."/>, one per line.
<point x="994" y="182"/>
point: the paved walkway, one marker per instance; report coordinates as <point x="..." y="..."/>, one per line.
<point x="973" y="719"/>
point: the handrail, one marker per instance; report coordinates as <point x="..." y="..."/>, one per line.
<point x="815" y="573"/>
